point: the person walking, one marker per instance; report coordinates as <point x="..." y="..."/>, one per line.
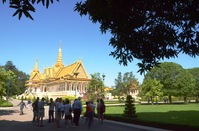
<point x="89" y="113"/>
<point x="93" y="108"/>
<point x="21" y="106"/>
<point x="41" y="112"/>
<point x="51" y="111"/>
<point x="35" y="110"/>
<point x="29" y="104"/>
<point x="102" y="110"/>
<point x="77" y="109"/>
<point x="98" y="109"/>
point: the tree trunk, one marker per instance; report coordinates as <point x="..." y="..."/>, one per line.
<point x="185" y="99"/>
<point x="151" y="100"/>
<point x="196" y="99"/>
<point x="170" y="101"/>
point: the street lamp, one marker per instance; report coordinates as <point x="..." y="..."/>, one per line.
<point x="103" y="77"/>
<point x="76" y="74"/>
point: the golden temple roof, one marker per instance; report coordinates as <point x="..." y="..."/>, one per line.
<point x="58" y="71"/>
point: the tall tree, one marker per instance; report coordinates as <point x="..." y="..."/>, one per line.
<point x="171" y="75"/>
<point x="3" y="81"/>
<point x="6" y="82"/>
<point x="195" y="74"/>
<point x="151" y="88"/>
<point x="185" y="84"/>
<point x="125" y="83"/>
<point x="16" y="79"/>
<point x="10" y="66"/>
<point x="95" y="88"/>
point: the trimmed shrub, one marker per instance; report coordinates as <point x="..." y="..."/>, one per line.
<point x="129" y="110"/>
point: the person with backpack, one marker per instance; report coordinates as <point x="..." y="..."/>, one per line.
<point x="35" y="110"/>
<point x="102" y="110"/>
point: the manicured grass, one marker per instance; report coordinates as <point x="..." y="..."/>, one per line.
<point x="180" y="114"/>
<point x="5" y="104"/>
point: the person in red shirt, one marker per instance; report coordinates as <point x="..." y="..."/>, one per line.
<point x="89" y="114"/>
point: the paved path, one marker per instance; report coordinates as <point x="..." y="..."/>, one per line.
<point x="10" y="120"/>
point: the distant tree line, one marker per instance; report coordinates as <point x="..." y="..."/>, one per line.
<point x="171" y="80"/>
<point x="166" y="80"/>
<point x="12" y="80"/>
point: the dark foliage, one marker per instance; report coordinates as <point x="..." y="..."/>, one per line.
<point x="26" y="6"/>
<point x="148" y="30"/>
<point x="129" y="110"/>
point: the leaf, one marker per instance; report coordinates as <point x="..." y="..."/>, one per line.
<point x="31" y="17"/>
<point x="43" y="2"/>
<point x="16" y="12"/>
<point x="3" y="1"/>
<point x="38" y="1"/>
<point x="31" y="8"/>
<point x="20" y="14"/>
<point x="27" y="14"/>
<point x="33" y="1"/>
<point x="47" y="3"/>
<point x="12" y="6"/>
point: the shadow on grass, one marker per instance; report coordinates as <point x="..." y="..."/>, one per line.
<point x="172" y="120"/>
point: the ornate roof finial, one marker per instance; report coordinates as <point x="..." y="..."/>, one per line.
<point x="36" y="65"/>
<point x="60" y="45"/>
<point x="59" y="58"/>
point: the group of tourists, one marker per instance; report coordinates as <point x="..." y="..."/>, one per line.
<point x="63" y="109"/>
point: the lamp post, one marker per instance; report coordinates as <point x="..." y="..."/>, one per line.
<point x="103" y="77"/>
<point x="76" y="74"/>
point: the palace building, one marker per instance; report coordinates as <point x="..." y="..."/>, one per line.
<point x="58" y="80"/>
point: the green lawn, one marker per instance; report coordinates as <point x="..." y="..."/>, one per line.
<point x="180" y="114"/>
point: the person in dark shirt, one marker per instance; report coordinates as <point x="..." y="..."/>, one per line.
<point x="35" y="110"/>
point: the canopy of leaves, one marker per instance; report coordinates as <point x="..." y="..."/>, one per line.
<point x="3" y="79"/>
<point x="151" y="88"/>
<point x="125" y="83"/>
<point x="185" y="84"/>
<point x="15" y="80"/>
<point x="95" y="87"/>
<point x="176" y="81"/>
<point x="146" y="30"/>
<point x="26" y="6"/>
<point x="195" y="74"/>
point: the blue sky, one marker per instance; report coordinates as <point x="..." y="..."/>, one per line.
<point x="22" y="41"/>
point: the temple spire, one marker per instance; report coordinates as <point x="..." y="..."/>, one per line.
<point x="36" y="65"/>
<point x="59" y="58"/>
